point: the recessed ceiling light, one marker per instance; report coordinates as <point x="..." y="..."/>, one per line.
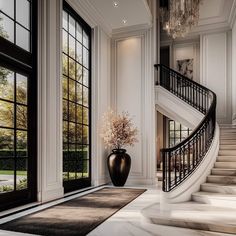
<point x="115" y="4"/>
<point x="124" y="21"/>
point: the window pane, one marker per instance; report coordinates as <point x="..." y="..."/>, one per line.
<point x="79" y="72"/>
<point x="21" y="174"/>
<point x="79" y="133"/>
<point x="65" y="87"/>
<point x="71" y="133"/>
<point x="86" y="169"/>
<point x="72" y="94"/>
<point x="72" y="111"/>
<point x="6" y="175"/>
<point x="85" y="135"/>
<point x="71" y="68"/>
<point x="23" y="12"/>
<point x="22" y="37"/>
<point x="64" y="64"/>
<point x="6" y="114"/>
<point x="21" y="117"/>
<point x="71" y="26"/>
<point x="85" y="77"/>
<point x="85" y="57"/>
<point x="79" y="52"/>
<point x="177" y="126"/>
<point x="65" y="132"/>
<point x="7" y="6"/>
<point x="21" y="143"/>
<point x="85" y="40"/>
<point x="65" y="110"/>
<point x="71" y="47"/>
<point x="78" y="32"/>
<point x="6" y="28"/>
<point x="6" y="84"/>
<point x="21" y="88"/>
<point x="85" y="96"/>
<point x="65" y="20"/>
<point x="65" y="42"/>
<point x="6" y="142"/>
<point x="79" y="93"/>
<point x="79" y="114"/>
<point x="85" y="116"/>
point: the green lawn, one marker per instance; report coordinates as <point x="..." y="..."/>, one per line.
<point x="11" y="172"/>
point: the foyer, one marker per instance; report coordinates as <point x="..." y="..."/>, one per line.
<point x="66" y="63"/>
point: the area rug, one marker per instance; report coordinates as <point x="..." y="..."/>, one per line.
<point x="78" y="216"/>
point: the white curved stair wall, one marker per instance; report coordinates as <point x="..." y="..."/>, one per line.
<point x="192" y="183"/>
<point x="173" y="107"/>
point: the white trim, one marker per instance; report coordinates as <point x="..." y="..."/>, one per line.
<point x="49" y="101"/>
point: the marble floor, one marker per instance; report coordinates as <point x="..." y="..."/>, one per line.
<point x="128" y="221"/>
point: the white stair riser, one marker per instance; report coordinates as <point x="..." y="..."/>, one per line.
<point x="218" y="189"/>
<point x="233" y="142"/>
<point x="226" y="158"/>
<point x="225" y="165"/>
<point x="227" y="152"/>
<point x="222" y="179"/>
<point x="224" y="172"/>
<point x="215" y="201"/>
<point x="227" y="147"/>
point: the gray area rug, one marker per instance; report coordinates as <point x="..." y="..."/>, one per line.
<point x="75" y="217"/>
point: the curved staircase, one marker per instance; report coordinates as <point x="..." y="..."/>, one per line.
<point x="213" y="206"/>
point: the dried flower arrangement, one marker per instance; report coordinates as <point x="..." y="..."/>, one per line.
<point x="118" y="130"/>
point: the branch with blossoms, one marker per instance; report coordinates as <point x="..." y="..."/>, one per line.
<point x="118" y="130"/>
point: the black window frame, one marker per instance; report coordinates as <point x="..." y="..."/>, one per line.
<point x="24" y="62"/>
<point x="175" y="130"/>
<point x="83" y="182"/>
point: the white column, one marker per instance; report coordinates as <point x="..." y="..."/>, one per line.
<point x="234" y="73"/>
<point x="49" y="101"/>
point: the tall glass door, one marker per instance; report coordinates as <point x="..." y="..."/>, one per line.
<point x="76" y="100"/>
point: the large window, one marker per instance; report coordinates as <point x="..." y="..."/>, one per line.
<point x="76" y="100"/>
<point x="18" y="102"/>
<point x="176" y="132"/>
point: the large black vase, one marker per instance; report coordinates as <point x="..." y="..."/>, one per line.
<point x="119" y="163"/>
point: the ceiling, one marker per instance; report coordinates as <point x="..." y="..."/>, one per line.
<point x="135" y="12"/>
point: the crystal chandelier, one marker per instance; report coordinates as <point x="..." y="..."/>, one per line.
<point x="179" y="16"/>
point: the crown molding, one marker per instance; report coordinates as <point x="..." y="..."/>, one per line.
<point x="130" y="29"/>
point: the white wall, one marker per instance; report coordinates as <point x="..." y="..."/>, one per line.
<point x="234" y="73"/>
<point x="133" y="90"/>
<point x="216" y="70"/>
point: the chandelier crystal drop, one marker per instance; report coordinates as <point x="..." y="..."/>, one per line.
<point x="180" y="16"/>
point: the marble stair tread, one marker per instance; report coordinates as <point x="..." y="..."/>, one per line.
<point x="193" y="215"/>
<point x="222" y="171"/>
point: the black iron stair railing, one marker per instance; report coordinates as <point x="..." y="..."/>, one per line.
<point x="182" y="159"/>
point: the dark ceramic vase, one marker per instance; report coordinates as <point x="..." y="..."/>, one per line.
<point x="119" y="163"/>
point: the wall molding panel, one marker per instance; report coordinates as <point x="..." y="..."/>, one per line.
<point x="215" y="70"/>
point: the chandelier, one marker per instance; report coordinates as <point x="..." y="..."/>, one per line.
<point x="179" y="16"/>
